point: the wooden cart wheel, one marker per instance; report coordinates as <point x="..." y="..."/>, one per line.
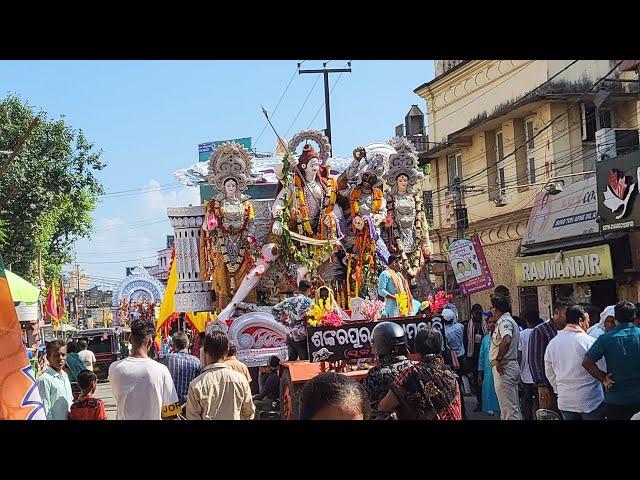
<point x="288" y="397"/>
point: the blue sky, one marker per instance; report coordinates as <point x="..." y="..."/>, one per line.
<point x="149" y="116"/>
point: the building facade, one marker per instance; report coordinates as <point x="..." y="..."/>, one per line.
<point x="509" y="129"/>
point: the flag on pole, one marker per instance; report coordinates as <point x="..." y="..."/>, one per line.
<point x="62" y="306"/>
<point x="167" y="307"/>
<point x="51" y="306"/>
<point x="19" y="395"/>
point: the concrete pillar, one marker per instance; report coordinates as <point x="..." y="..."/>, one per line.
<point x="192" y="294"/>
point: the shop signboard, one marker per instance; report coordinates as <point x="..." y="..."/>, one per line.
<point x="569" y="214"/>
<point x="617" y="186"/>
<point x="572" y="266"/>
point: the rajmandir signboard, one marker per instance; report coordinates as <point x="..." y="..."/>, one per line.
<point x="573" y="266"/>
<point x="618" y="199"/>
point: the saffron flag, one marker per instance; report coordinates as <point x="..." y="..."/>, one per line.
<point x="167" y="307"/>
<point x="62" y="307"/>
<point x="51" y="306"/>
<point x="198" y="320"/>
<point x="19" y="396"/>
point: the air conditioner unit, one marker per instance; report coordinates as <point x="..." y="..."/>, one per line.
<point x="611" y="142"/>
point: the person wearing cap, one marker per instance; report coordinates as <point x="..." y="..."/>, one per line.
<point x="504" y="358"/>
<point x="454" y="334"/>
<point x="390" y="347"/>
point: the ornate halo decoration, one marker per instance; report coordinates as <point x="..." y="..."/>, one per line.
<point x="318" y="137"/>
<point x="230" y="160"/>
<point x="403" y="162"/>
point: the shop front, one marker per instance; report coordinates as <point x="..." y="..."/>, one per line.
<point x="586" y="275"/>
<point x="565" y="255"/>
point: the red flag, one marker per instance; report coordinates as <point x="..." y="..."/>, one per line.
<point x="50" y="305"/>
<point x="61" y="302"/>
<point x="19" y="395"/>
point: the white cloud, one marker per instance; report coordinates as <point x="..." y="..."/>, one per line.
<point x="131" y="228"/>
<point x="159" y="199"/>
<point x="110" y="222"/>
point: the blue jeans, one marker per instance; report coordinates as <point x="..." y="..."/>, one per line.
<point x="597" y="414"/>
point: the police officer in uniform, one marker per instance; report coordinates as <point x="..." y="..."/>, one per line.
<point x="390" y="346"/>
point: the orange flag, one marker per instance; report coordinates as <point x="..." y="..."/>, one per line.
<point x="61" y="303"/>
<point x="51" y="306"/>
<point x="19" y="395"/>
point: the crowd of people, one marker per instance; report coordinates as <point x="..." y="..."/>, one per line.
<point x="570" y="364"/>
<point x="576" y="365"/>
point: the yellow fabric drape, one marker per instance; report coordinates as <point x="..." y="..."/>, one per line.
<point x="167" y="307"/>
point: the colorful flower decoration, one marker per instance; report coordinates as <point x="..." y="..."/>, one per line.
<point x="403" y="303"/>
<point x="439" y="301"/>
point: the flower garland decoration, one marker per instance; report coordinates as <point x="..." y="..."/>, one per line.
<point x="438" y="301"/>
<point x="321" y="314"/>
<point x="403" y="303"/>
<point x="307" y="255"/>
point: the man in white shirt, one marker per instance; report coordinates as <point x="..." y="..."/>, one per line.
<point x="580" y="396"/>
<point x="529" y="390"/>
<point x="143" y="388"/>
<point x="86" y="355"/>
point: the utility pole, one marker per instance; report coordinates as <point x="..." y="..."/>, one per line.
<point x="326" y="71"/>
<point x="78" y="295"/>
<point x="462" y="222"/>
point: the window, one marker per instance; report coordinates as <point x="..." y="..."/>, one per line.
<point x="531" y="154"/>
<point x="529" y="133"/>
<point x="593" y="119"/>
<point x="454" y="169"/>
<point x="500" y="161"/>
<point x="606" y="118"/>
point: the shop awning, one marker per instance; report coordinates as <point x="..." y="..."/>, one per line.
<point x="21" y="290"/>
<point x="565" y="220"/>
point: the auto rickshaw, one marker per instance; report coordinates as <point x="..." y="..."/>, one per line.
<point x="105" y="345"/>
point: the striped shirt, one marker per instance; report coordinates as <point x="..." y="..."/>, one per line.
<point x="538" y="341"/>
<point x="183" y="367"/>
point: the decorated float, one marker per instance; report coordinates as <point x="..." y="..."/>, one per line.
<point x="333" y="222"/>
<point x="136" y="296"/>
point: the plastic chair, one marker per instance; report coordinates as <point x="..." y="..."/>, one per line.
<point x="544" y="414"/>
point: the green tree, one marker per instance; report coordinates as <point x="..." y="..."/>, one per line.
<point x="48" y="191"/>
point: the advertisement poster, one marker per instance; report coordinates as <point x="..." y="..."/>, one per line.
<point x="470" y="265"/>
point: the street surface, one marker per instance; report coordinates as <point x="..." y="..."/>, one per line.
<point x="104" y="392"/>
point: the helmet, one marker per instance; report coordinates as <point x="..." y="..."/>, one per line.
<point x="388" y="338"/>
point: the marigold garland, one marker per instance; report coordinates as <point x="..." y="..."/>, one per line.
<point x="403" y="303"/>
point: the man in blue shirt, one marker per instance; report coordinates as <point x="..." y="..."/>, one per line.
<point x="54" y="385"/>
<point x="182" y="366"/>
<point x="620" y="348"/>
